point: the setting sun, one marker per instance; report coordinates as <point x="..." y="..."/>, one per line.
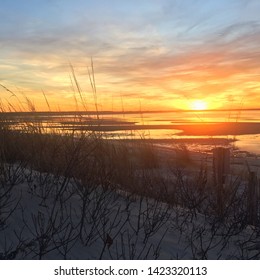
<point x="198" y="105"/>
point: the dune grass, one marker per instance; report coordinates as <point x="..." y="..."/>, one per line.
<point x="121" y="198"/>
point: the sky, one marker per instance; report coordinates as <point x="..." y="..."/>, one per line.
<point x="149" y="55"/>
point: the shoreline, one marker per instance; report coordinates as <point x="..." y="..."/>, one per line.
<point x="193" y="129"/>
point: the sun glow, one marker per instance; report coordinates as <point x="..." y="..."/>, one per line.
<point x="199" y="105"/>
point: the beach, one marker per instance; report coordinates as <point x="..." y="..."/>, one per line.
<point x="82" y="194"/>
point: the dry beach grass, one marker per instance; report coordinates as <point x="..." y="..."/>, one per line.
<point x="74" y="194"/>
<point x="116" y="199"/>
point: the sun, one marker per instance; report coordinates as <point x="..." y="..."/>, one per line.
<point x="199" y="105"/>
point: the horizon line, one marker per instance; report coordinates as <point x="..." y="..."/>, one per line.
<point x="104" y="112"/>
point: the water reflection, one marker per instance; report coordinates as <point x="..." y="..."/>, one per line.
<point x="170" y="126"/>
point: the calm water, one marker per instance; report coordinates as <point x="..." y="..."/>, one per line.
<point x="152" y="125"/>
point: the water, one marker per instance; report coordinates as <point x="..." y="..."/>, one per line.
<point x="190" y="126"/>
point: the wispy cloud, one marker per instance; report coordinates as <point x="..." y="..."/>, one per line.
<point x="143" y="50"/>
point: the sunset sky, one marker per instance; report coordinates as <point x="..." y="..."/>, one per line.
<point x="156" y="54"/>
